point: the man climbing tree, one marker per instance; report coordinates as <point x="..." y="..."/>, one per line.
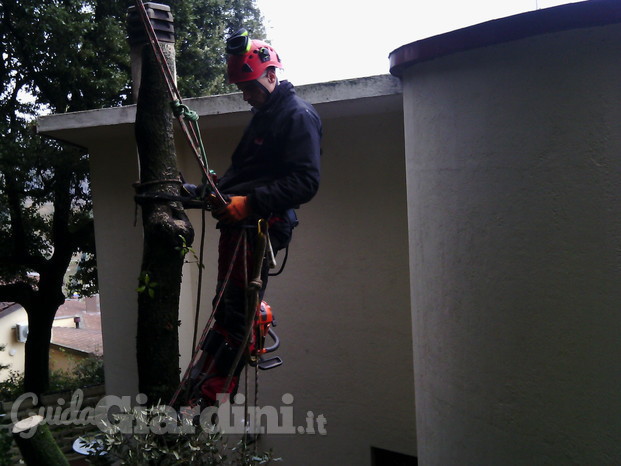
<point x="167" y="229"/>
<point x="275" y="168"/>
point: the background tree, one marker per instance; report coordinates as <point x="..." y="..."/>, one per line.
<point x="61" y="56"/>
<point x="201" y="27"/>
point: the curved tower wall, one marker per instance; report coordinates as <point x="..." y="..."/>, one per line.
<point x="514" y="204"/>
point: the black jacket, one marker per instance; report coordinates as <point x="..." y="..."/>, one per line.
<point x="277" y="162"/>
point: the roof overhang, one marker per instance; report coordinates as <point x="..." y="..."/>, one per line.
<point x="375" y="94"/>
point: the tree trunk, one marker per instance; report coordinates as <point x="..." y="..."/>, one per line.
<point x="41" y="309"/>
<point x="37" y="354"/>
<point x="166" y="230"/>
<point x="39" y="447"/>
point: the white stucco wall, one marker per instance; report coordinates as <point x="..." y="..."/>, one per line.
<point x="342" y="304"/>
<point x="514" y="180"/>
<point x="14" y="351"/>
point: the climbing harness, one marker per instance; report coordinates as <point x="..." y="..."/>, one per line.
<point x="215" y="344"/>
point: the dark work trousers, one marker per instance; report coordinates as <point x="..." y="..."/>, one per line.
<point x="224" y="340"/>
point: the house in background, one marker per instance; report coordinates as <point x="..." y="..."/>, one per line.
<point x="76" y="334"/>
<point x="13" y="334"/>
<point x="452" y="293"/>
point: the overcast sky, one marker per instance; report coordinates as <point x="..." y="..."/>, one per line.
<point x="325" y="40"/>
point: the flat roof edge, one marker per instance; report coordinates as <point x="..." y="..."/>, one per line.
<point x="584" y="14"/>
<point x="349" y="89"/>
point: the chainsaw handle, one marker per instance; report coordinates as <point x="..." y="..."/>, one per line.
<point x="276" y="344"/>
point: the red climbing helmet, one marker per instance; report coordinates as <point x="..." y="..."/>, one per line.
<point x="248" y="59"/>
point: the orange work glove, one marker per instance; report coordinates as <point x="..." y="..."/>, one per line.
<point x="235" y="211"/>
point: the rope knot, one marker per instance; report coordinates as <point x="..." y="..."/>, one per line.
<point x="183" y="110"/>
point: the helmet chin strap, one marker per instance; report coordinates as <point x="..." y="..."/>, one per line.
<point x="263" y="88"/>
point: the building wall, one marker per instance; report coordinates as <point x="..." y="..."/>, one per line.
<point x="514" y="181"/>
<point x="14" y="351"/>
<point x="67" y="322"/>
<point x="342" y="304"/>
<point x="118" y="237"/>
<point x="65" y="359"/>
